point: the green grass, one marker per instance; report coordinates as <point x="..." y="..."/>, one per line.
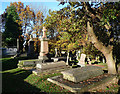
<point x="19" y="80"/>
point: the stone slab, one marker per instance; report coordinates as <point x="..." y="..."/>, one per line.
<point x="27" y="63"/>
<point x="50" y="65"/>
<point x="82" y="73"/>
<point x="77" y="87"/>
<point x="52" y="70"/>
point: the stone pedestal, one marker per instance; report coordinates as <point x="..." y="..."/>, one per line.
<point x="44" y="47"/>
<point x="43" y="65"/>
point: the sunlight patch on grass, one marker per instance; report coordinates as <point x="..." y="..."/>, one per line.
<point x="42" y="83"/>
<point x="5" y="58"/>
<point x="20" y="72"/>
<point x="12" y="70"/>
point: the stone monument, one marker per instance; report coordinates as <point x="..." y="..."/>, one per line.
<point x="44" y="62"/>
<point x="44" y="47"/>
<point x="82" y="73"/>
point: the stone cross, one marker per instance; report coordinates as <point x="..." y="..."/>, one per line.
<point x="44" y="34"/>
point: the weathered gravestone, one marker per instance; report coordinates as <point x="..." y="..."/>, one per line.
<point x="31" y="53"/>
<point x="82" y="73"/>
<point x="82" y="60"/>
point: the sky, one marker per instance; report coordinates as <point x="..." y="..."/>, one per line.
<point x="49" y="4"/>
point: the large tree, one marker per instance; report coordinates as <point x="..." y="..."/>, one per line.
<point x="12" y="28"/>
<point x="98" y="22"/>
<point x="102" y="21"/>
<point x="31" y="18"/>
<point x="62" y="40"/>
<point x="26" y="16"/>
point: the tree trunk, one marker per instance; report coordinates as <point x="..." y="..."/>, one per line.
<point x="110" y="62"/>
<point x="107" y="51"/>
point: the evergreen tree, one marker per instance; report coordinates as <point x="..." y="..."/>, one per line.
<point x="12" y="28"/>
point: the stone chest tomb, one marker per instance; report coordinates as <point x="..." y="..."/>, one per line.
<point x="82" y="73"/>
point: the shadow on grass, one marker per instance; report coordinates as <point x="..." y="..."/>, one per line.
<point x="13" y="78"/>
<point x="14" y="82"/>
<point x="8" y="64"/>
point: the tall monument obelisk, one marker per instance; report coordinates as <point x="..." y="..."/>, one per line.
<point x="44" y="46"/>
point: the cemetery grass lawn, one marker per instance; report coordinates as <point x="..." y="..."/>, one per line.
<point x="20" y="80"/>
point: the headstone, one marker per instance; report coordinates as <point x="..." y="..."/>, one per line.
<point x="44" y="47"/>
<point x="31" y="53"/>
<point x="82" y="60"/>
<point x="82" y="73"/>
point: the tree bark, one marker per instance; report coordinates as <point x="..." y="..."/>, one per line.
<point x="110" y="63"/>
<point x="107" y="51"/>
